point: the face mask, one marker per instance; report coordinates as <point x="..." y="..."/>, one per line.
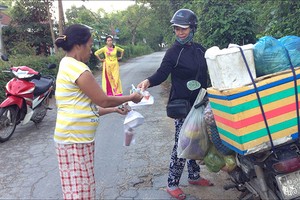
<point x="189" y="38"/>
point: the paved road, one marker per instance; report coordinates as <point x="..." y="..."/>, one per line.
<point x="29" y="167"/>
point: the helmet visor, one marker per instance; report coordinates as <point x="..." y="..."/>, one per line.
<point x="180" y="25"/>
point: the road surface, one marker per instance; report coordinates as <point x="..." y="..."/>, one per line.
<point x="29" y="167"/>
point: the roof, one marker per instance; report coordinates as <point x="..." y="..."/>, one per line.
<point x="5" y="19"/>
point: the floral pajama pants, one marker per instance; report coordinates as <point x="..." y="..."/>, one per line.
<point x="177" y="164"/>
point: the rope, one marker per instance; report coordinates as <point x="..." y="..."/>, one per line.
<point x="259" y="99"/>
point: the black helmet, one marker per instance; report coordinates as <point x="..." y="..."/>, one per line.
<point x="184" y="18"/>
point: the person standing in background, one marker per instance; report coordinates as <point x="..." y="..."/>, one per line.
<point x="80" y="101"/>
<point x="111" y="81"/>
<point x="183" y="61"/>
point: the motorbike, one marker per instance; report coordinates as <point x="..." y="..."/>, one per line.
<point x="270" y="174"/>
<point x="27" y="98"/>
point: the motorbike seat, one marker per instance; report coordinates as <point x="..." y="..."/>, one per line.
<point x="41" y="85"/>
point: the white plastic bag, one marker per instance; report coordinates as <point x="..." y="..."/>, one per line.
<point x="147" y="100"/>
<point x="133" y="119"/>
<point x="129" y="137"/>
<point x="193" y="141"/>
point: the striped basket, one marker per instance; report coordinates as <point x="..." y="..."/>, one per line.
<point x="239" y="118"/>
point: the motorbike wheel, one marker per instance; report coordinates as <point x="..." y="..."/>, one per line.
<point x="40" y="112"/>
<point x="8" y="122"/>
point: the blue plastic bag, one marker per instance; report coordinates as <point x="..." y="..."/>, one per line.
<point x="292" y="45"/>
<point x="270" y="56"/>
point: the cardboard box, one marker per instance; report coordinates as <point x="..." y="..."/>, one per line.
<point x="227" y="68"/>
<point x="239" y="117"/>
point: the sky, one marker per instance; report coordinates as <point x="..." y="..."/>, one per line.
<point x="94" y="5"/>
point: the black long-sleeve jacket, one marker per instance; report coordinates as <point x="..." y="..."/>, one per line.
<point x="182" y="62"/>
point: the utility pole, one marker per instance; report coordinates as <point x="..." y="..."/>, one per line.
<point x="1" y="41"/>
<point x="61" y="17"/>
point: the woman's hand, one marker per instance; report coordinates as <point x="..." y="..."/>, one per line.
<point x="119" y="58"/>
<point x="144" y="85"/>
<point x="123" y="109"/>
<point x="136" y="97"/>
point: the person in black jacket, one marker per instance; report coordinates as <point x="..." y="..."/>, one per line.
<point x="182" y="61"/>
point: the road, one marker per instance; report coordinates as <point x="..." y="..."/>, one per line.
<point x="29" y="167"/>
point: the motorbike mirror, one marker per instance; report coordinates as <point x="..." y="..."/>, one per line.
<point x="51" y="66"/>
<point x="4" y="57"/>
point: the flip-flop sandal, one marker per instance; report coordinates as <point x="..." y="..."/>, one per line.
<point x="201" y="182"/>
<point x="177" y="193"/>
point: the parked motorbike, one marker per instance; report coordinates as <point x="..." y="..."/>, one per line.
<point x="27" y="98"/>
<point x="271" y="174"/>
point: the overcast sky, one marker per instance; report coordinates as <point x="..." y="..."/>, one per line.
<point x="108" y="6"/>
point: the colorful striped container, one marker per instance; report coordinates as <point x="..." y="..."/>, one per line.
<point x="239" y="118"/>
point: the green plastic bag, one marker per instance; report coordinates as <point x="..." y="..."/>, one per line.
<point x="214" y="161"/>
<point x="230" y="163"/>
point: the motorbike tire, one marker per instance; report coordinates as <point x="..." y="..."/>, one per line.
<point x="40" y="111"/>
<point x="8" y="122"/>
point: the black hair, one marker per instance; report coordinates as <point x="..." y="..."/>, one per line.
<point x="108" y="36"/>
<point x="74" y="34"/>
<point x="111" y="37"/>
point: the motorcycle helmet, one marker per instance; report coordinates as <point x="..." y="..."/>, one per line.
<point x="184" y="18"/>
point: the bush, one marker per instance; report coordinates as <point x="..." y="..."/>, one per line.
<point x="132" y="51"/>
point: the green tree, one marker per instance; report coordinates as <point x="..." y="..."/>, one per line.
<point x="134" y="17"/>
<point x="80" y="15"/>
<point x="224" y="22"/>
<point x="29" y="28"/>
<point x="8" y="3"/>
<point x="100" y="21"/>
<point x="161" y="12"/>
<point x="277" y="18"/>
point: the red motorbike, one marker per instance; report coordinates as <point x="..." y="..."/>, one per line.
<point x="27" y="98"/>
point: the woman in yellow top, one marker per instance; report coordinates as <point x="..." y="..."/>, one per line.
<point x="111" y="82"/>
<point x="80" y="101"/>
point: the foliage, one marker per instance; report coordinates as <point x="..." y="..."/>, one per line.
<point x="135" y="18"/>
<point x="161" y="12"/>
<point x="279" y="18"/>
<point x="232" y="23"/>
<point x="29" y="27"/>
<point x="7" y="3"/>
<point x="136" y="50"/>
<point x="93" y="60"/>
<point x="147" y="23"/>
